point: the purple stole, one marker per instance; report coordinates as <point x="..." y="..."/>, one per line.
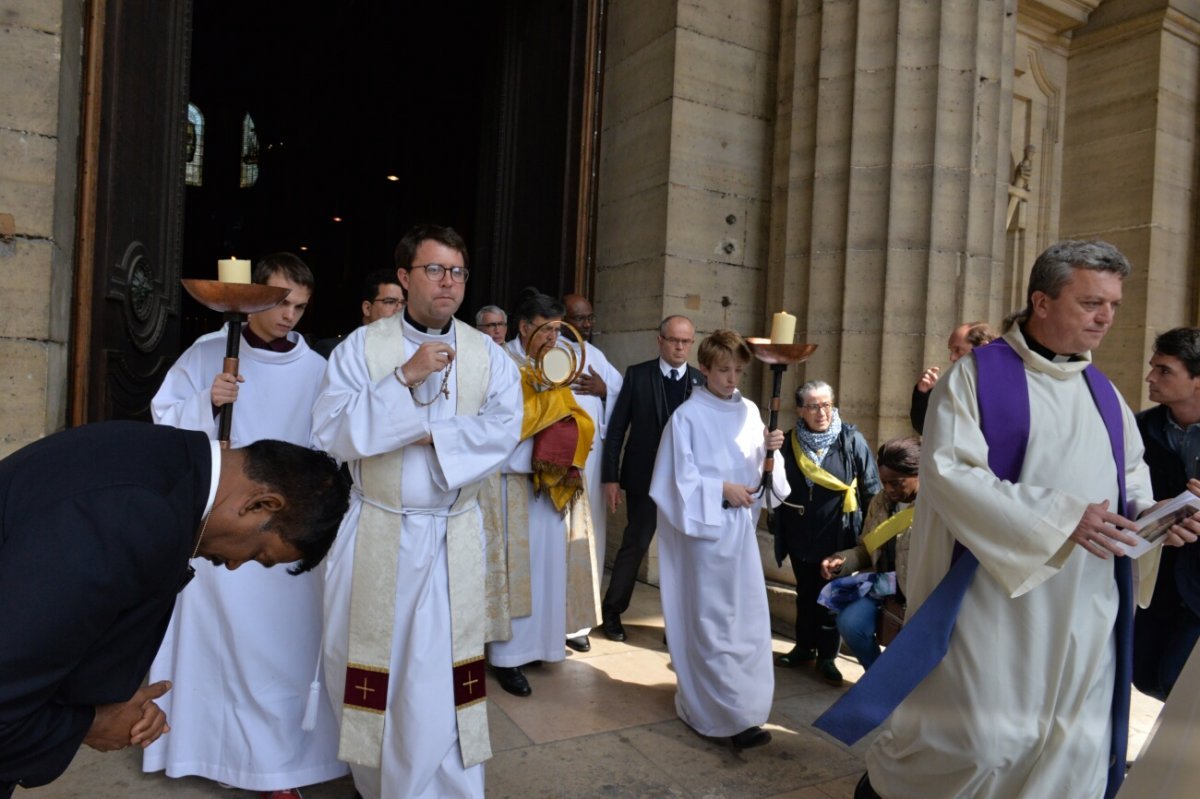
<point x="924" y="639"/>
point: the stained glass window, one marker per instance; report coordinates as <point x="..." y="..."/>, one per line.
<point x="193" y="174"/>
<point x="249" y="153"/>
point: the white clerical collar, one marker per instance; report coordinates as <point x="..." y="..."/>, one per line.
<point x="666" y="368"/>
<point x="216" y="477"/>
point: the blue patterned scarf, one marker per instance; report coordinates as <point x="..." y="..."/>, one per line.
<point x="816" y="445"/>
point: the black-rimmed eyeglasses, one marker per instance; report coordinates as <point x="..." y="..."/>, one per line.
<point x="434" y="272"/>
<point x="390" y="302"/>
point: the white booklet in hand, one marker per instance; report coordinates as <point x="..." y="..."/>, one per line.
<point x="1152" y="528"/>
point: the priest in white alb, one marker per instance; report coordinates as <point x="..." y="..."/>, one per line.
<point x="422" y="407"/>
<point x="1030" y="699"/>
<point x="714" y="597"/>
<point x="596" y="391"/>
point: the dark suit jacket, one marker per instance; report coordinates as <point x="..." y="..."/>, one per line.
<point x="96" y="528"/>
<point x="641" y="410"/>
<point x="1168" y="479"/>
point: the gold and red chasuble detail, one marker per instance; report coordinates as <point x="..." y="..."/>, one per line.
<point x="470" y="685"/>
<point x="366" y="688"/>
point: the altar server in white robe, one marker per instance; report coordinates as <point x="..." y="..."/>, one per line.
<point x="596" y="391"/>
<point x="714" y="597"/>
<point x="422" y="407"/>
<point x="242" y="645"/>
<point x="1020" y="706"/>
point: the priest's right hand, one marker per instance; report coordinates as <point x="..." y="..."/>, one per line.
<point x="430" y="357"/>
<point x="115" y="726"/>
<point x="225" y="389"/>
<point x="1097" y="531"/>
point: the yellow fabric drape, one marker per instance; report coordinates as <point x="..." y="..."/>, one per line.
<point x="888" y="529"/>
<point x="542" y="409"/>
<point x="824" y="479"/>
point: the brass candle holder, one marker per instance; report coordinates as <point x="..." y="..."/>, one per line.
<point x="234" y="301"/>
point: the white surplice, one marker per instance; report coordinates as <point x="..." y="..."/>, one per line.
<point x="242" y="645"/>
<point x="714" y="596"/>
<point x="1020" y="706"/>
<point x="600" y="410"/>
<point x="355" y="418"/>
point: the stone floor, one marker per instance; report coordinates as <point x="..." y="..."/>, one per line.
<point x="600" y="724"/>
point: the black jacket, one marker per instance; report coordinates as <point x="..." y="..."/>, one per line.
<point x="822" y="529"/>
<point x="96" y="528"/>
<point x="641" y="410"/>
<point x="1168" y="478"/>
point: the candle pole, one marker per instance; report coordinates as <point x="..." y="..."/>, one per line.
<point x="235" y="301"/>
<point x="778" y="357"/>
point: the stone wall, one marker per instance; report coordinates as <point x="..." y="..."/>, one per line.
<point x="40" y="61"/>
<point x="685" y="165"/>
<point x="1130" y="167"/>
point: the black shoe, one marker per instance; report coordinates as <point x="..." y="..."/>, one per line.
<point x="864" y="790"/>
<point x="512" y="680"/>
<point x="797" y="657"/>
<point x="613" y="628"/>
<point x="580" y="643"/>
<point x="748" y="739"/>
<point x="829" y="672"/>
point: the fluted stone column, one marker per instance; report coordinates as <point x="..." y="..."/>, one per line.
<point x="890" y="184"/>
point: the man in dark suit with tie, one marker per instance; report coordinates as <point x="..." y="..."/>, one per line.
<point x="97" y="525"/>
<point x="650" y="394"/>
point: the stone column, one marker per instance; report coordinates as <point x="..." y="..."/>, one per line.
<point x="890" y="186"/>
<point x="1129" y="173"/>
<point x="40" y="65"/>
<point x="684" y="185"/>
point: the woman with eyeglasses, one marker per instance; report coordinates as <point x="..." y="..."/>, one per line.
<point x="833" y="475"/>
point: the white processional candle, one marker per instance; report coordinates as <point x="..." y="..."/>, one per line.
<point x="783" y="328"/>
<point x="233" y="270"/>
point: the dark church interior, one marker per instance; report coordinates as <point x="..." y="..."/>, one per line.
<point x="470" y="108"/>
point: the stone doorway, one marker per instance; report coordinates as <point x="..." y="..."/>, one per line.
<point x="486" y="113"/>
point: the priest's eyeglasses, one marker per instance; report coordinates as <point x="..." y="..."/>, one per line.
<point x="434" y="272"/>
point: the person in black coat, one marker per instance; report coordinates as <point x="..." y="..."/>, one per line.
<point x="1165" y="632"/>
<point x="650" y="394"/>
<point x="97" y="525"/>
<point x="814" y="522"/>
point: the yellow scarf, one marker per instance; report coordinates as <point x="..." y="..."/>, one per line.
<point x="824" y="479"/>
<point x="542" y="409"/>
<point x="888" y="529"/>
